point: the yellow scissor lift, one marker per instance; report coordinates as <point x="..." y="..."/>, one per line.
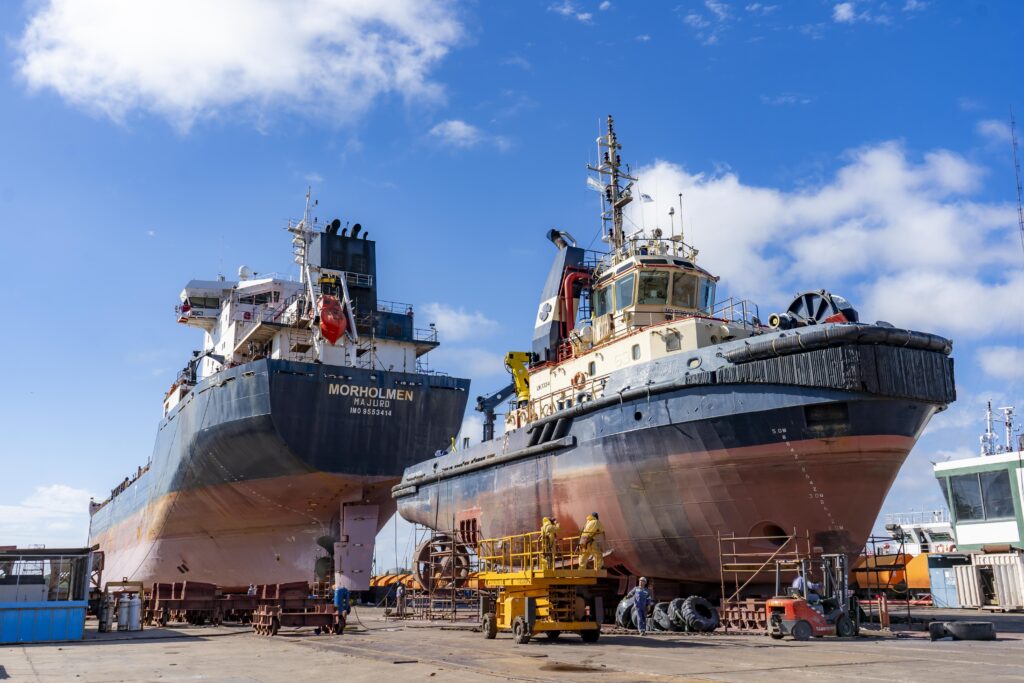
<point x="536" y="588"/>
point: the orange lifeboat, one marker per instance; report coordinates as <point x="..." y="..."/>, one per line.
<point x="333" y="321"/>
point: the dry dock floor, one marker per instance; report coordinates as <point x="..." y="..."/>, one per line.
<point x="389" y="652"/>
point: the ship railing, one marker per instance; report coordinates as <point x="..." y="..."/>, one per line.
<point x="527" y="552"/>
<point x="917" y="517"/>
<point x="425" y="335"/>
<point x="394" y="307"/>
<point x="743" y="312"/>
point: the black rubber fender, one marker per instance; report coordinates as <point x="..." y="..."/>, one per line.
<point x="700" y="614"/>
<point x="970" y="630"/>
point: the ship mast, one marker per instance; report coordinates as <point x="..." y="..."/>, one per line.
<point x="614" y="197"/>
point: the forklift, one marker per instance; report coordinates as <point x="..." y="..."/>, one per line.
<point x="803" y="614"/>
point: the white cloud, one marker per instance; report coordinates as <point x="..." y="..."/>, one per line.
<point x="567" y="8"/>
<point x="761" y="8"/>
<point x="56" y="515"/>
<point x="457" y="133"/>
<point x="313" y="177"/>
<point x="643" y="38"/>
<point x="914" y="5"/>
<point x="786" y="99"/>
<point x="462" y="135"/>
<point x="1002" y="362"/>
<point x="719" y="9"/>
<point x="518" y="60"/>
<point x="901" y="237"/>
<point x="994" y="130"/>
<point x="605" y="6"/>
<point x="471" y="361"/>
<point x="969" y="104"/>
<point x="843" y="13"/>
<point x="696" y="21"/>
<point x="846" y="13"/>
<point x="191" y="59"/>
<point x="457" y="324"/>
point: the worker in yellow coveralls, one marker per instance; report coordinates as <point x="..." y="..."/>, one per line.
<point x="592" y="542"/>
<point x="549" y="530"/>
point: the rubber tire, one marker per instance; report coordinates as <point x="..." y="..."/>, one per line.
<point x="678" y="622"/>
<point x="552" y="635"/>
<point x="590" y="635"/>
<point x="801" y="630"/>
<point x="845" y="628"/>
<point x="700" y="614"/>
<point x="624" y="611"/>
<point x="489" y="626"/>
<point x="660" y="617"/>
<point x="971" y="630"/>
<point x="520" y="631"/>
<point x="936" y="630"/>
<point x="775" y="635"/>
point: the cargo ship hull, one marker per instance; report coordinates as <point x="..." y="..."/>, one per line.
<point x="671" y="470"/>
<point x="254" y="465"/>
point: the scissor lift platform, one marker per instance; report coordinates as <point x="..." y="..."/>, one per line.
<point x="535" y="588"/>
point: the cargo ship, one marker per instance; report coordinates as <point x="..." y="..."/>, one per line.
<point x="681" y="418"/>
<point x="282" y="437"/>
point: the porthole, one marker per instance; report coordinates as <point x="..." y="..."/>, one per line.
<point x="638" y="416"/>
<point x="694" y="362"/>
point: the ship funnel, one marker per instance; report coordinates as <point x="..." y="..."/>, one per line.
<point x="332" y="229"/>
<point x="561" y="238"/>
<point x="355" y="230"/>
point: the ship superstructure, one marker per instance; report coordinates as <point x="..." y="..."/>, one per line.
<point x="282" y="436"/>
<point x="681" y="417"/>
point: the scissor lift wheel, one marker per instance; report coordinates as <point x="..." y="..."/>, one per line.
<point x="490" y="626"/>
<point x="520" y="631"/>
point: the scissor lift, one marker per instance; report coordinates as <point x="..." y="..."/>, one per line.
<point x="536" y="588"/>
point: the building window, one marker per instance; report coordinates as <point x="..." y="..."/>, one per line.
<point x="984" y="496"/>
<point x="592" y="368"/>
<point x="624" y="292"/>
<point x="673" y="341"/>
<point x="636" y="352"/>
<point x="653" y="288"/>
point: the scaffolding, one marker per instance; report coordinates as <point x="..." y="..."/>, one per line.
<point x="748" y="561"/>
<point x="445" y="568"/>
<point x="878" y="578"/>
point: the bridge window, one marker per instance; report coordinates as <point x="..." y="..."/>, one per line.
<point x="636" y="352"/>
<point x="684" y="290"/>
<point x="707" y="295"/>
<point x="653" y="288"/>
<point x="983" y="496"/>
<point x="624" y="292"/>
<point x="602" y="301"/>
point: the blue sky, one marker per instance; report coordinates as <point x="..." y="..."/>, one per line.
<point x="858" y="146"/>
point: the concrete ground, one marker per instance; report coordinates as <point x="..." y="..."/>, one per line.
<point x="387" y="652"/>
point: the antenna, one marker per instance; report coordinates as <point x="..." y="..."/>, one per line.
<point x="682" y="227"/>
<point x="615" y="197"/>
<point x="1016" y="172"/>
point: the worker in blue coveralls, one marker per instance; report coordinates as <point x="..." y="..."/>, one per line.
<point x="341" y="605"/>
<point x="641" y="600"/>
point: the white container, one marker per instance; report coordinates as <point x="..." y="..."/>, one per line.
<point x="135" y="613"/>
<point x="122" y="614"/>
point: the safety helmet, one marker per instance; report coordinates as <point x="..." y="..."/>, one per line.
<point x="545" y="521"/>
<point x="643" y="580"/>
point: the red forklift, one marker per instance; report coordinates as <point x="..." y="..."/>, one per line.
<point x="830" y="611"/>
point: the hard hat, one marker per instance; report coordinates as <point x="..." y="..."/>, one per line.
<point x="545" y="521"/>
<point x="643" y="579"/>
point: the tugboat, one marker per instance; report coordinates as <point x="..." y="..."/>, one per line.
<point x="282" y="437"/>
<point x="680" y="418"/>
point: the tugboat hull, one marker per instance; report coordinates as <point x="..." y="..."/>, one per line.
<point x="671" y="470"/>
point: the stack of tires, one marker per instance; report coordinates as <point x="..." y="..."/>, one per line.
<point x="693" y="614"/>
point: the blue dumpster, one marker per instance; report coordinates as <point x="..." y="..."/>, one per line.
<point x="38" y="622"/>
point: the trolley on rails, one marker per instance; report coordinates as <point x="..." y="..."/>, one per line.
<point x="536" y="588"/>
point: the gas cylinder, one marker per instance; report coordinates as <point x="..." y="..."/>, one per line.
<point x="122" y="613"/>
<point x="106" y="614"/>
<point x="135" y="613"/>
